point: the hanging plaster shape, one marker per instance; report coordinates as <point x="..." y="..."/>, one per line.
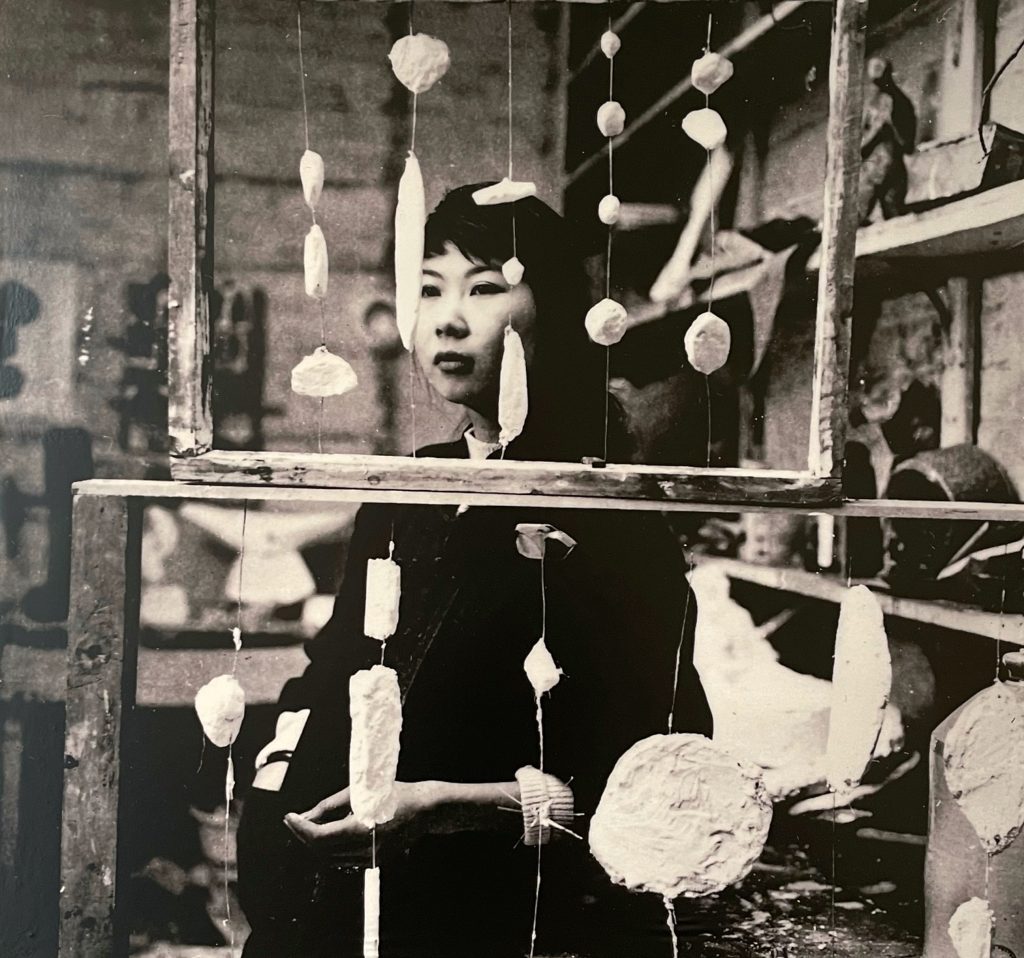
<point x="314" y="262"/>
<point x="512" y="270"/>
<point x="861" y="682"/>
<point x="410" y="222"/>
<point x="375" y="706"/>
<point x="606" y="322"/>
<point x="680" y="816"/>
<point x="707" y="343"/>
<point x="322" y="374"/>
<point x="705" y="127"/>
<point x="504" y="191"/>
<point x="610" y="43"/>
<point x="311" y="172"/>
<point x="419" y="60"/>
<point x="611" y="118"/>
<point x="709" y="72"/>
<point x="540" y="668"/>
<point x="383" y="596"/>
<point x="220" y="705"/>
<point x="970" y="929"/>
<point x="984" y="762"/>
<point x="534" y="541"/>
<point x="609" y="209"/>
<point x="513" y="402"/>
<point x="371" y="913"/>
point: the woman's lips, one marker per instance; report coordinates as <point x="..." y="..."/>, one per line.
<point x="455" y="364"/>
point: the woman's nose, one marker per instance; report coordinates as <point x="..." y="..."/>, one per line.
<point x="451" y="322"/>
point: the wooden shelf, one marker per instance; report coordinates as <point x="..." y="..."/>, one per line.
<point x="948" y="615"/>
<point x="983" y="223"/>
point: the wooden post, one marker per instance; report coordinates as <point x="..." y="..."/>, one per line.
<point x="102" y="648"/>
<point x="190" y="227"/>
<point x="838" y="241"/>
<point x="960" y="372"/>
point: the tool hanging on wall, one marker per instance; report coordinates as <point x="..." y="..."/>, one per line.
<point x="321" y="373"/>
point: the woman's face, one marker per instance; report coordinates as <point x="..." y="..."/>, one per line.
<point x="464" y="309"/>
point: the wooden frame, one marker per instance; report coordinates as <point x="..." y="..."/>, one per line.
<point x="102" y="651"/>
<point x="190" y="267"/>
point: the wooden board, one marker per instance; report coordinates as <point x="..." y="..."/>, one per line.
<point x="100" y="690"/>
<point x="538" y="480"/>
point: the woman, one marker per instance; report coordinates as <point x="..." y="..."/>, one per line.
<point x="454" y="881"/>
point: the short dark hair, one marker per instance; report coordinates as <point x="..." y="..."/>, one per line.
<point x="567" y="388"/>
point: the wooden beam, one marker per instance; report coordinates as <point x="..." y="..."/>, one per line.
<point x="540" y="480"/>
<point x="190" y="227"/>
<point x="105" y="557"/>
<point x="736" y="45"/>
<point x="960" y="379"/>
<point x="862" y="508"/>
<point x="946" y="615"/>
<point x="838" y="241"/>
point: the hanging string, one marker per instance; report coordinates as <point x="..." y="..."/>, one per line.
<point x="679" y="647"/>
<point x="707" y="403"/>
<point x="711" y="185"/>
<point x="302" y="73"/>
<point x="670" y="920"/>
<point x="536" y="904"/>
<point x="608" y="252"/>
<point x="509" y="95"/>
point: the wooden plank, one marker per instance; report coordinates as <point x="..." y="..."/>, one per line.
<point x="105" y="558"/>
<point x="838" y="241"/>
<point x="736" y="45"/>
<point x="190" y="227"/>
<point x="959" y="388"/>
<point x="537" y="479"/>
<point x="947" y="615"/>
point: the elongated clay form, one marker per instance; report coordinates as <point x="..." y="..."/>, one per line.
<point x="861" y="682"/>
<point x="375" y="706"/>
<point x="504" y="191"/>
<point x="410" y="221"/>
<point x="383" y="595"/>
<point x="512" y="390"/>
<point x="314" y="262"/>
<point x="371" y="913"/>
<point x="311" y="172"/>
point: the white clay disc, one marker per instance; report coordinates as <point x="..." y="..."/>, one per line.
<point x="610" y="43"/>
<point x="706" y="127"/>
<point x="707" y="343"/>
<point x="504" y="191"/>
<point x="680" y="816"/>
<point x="322" y="374"/>
<point x="984" y="759"/>
<point x="419" y="61"/>
<point x="512" y="270"/>
<point x="710" y="72"/>
<point x="608" y="209"/>
<point x="220" y="705"/>
<point x="606" y="322"/>
<point x="611" y="118"/>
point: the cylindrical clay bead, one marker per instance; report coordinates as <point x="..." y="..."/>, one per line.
<point x="375" y="705"/>
<point x="371" y="913"/>
<point x="383" y="595"/>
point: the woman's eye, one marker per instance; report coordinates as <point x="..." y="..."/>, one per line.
<point x="429" y="291"/>
<point x="486" y="289"/>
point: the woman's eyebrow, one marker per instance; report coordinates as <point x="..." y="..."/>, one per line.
<point x="431" y="272"/>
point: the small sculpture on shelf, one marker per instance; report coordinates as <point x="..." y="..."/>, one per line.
<point x="888" y="135"/>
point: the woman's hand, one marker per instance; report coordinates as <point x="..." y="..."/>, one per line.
<point x="330" y="830"/>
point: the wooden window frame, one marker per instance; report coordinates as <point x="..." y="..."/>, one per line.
<point x="190" y="266"/>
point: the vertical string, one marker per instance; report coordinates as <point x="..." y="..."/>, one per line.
<point x="536" y="904"/>
<point x="670" y="920"/>
<point x="707" y="402"/>
<point x="509" y="95"/>
<point x="302" y="72"/>
<point x="682" y="639"/>
<point x="608" y="252"/>
<point x="711" y="228"/>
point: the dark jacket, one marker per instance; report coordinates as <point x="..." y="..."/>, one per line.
<point x="470" y="612"/>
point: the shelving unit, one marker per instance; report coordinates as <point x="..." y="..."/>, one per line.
<point x="947" y="615"/>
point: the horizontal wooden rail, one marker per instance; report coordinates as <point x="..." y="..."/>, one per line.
<point x="851" y="508"/>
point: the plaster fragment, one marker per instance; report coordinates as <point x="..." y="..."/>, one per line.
<point x="680" y="816"/>
<point x="611" y="118"/>
<point x="410" y="222"/>
<point x="707" y="343"/>
<point x="970" y="929"/>
<point x="705" y="127"/>
<point x="311" y="173"/>
<point x="383" y="595"/>
<point x="606" y="322"/>
<point x="540" y="668"/>
<point x="220" y="705"/>
<point x="419" y="61"/>
<point x="710" y="72"/>
<point x="504" y="191"/>
<point x="609" y="209"/>
<point x="322" y="374"/>
<point x="610" y="43"/>
<point x="512" y="271"/>
<point x="314" y="262"/>
<point x="513" y="402"/>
